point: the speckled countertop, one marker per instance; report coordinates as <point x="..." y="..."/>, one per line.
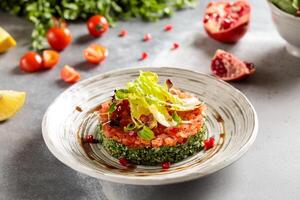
<point x="270" y="169"/>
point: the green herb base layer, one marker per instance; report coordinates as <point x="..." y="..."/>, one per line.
<point x="154" y="156"/>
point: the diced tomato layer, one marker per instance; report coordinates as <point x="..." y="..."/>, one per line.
<point x="164" y="136"/>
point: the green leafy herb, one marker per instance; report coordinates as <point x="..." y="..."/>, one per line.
<point x="155" y="156"/>
<point x="146" y="133"/>
<point x="112" y="107"/>
<point x="39" y="12"/>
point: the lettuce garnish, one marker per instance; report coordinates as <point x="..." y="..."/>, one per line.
<point x="146" y="96"/>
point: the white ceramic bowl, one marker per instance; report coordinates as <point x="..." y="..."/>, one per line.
<point x="288" y="27"/>
<point x="231" y="119"/>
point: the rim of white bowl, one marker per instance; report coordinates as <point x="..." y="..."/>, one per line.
<point x="281" y="12"/>
<point x="151" y="180"/>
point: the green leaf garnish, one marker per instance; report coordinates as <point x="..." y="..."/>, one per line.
<point x="146" y="133"/>
<point x="129" y="127"/>
<point x="146" y="96"/>
<point x="176" y="117"/>
<point x="112" y="108"/>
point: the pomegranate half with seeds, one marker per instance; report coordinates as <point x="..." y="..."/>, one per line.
<point x="227" y="67"/>
<point x="227" y="21"/>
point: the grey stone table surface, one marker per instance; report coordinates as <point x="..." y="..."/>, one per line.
<point x="269" y="170"/>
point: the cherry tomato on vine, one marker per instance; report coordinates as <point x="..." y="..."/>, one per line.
<point x="31" y="62"/>
<point x="97" y="25"/>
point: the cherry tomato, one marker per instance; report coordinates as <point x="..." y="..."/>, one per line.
<point x="69" y="74"/>
<point x="227" y="21"/>
<point x="95" y="53"/>
<point x="59" y="38"/>
<point x="31" y="62"/>
<point x="97" y="25"/>
<point x="50" y="59"/>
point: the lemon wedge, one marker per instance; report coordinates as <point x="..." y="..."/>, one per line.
<point x="10" y="103"/>
<point x="6" y="41"/>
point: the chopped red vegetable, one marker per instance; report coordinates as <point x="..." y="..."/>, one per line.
<point x="147" y="37"/>
<point x="168" y="27"/>
<point x="123" y="33"/>
<point x="50" y="58"/>
<point x="166" y="165"/>
<point x="144" y="56"/>
<point x="95" y="53"/>
<point x="69" y="74"/>
<point x="209" y="143"/>
<point x="123" y="161"/>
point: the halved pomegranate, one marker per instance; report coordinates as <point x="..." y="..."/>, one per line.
<point x="229" y="68"/>
<point x="227" y="21"/>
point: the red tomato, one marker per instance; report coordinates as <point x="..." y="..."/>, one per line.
<point x="95" y="53"/>
<point x="227" y="21"/>
<point x="31" y="62"/>
<point x="59" y="38"/>
<point x="50" y="59"/>
<point x="69" y="74"/>
<point x="97" y="25"/>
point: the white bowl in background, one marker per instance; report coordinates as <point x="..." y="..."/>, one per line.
<point x="288" y="27"/>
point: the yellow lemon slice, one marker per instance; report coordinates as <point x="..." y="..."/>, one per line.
<point x="10" y="103"/>
<point x="6" y="41"/>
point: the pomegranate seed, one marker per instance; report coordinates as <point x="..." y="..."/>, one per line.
<point x="226" y="23"/>
<point x="123" y="33"/>
<point x="250" y="66"/>
<point x="89" y="138"/>
<point x="209" y="143"/>
<point x="123" y="161"/>
<point x="237" y="9"/>
<point x="216" y="16"/>
<point x="166" y="165"/>
<point x="147" y="37"/>
<point x="219" y="67"/>
<point x="132" y="133"/>
<point x="168" y="27"/>
<point x="206" y="18"/>
<point x="169" y="83"/>
<point x="175" y="46"/>
<point x="144" y="56"/>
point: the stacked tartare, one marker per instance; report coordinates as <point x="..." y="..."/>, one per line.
<point x="147" y="123"/>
